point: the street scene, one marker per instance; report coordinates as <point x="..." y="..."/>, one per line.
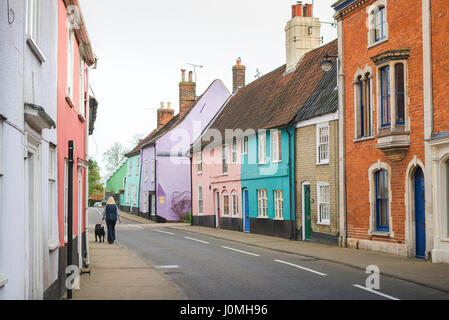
<point x="201" y="151"/>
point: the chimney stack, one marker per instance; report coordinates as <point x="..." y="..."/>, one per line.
<point x="303" y="34"/>
<point x="187" y="92"/>
<point x="164" y="115"/>
<point x="238" y="75"/>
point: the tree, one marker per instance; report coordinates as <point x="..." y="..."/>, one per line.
<point x="95" y="186"/>
<point x="136" y="139"/>
<point x="113" y="156"/>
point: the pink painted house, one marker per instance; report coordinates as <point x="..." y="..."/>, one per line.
<point x="216" y="187"/>
<point x="216" y="176"/>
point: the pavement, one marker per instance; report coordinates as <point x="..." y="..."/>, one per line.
<point x="416" y="271"/>
<point x="117" y="274"/>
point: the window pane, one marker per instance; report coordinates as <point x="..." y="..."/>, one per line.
<point x="382" y="213"/>
<point x="400" y="91"/>
<point x="385" y="95"/>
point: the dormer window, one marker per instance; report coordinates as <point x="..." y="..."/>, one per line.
<point x="378" y="25"/>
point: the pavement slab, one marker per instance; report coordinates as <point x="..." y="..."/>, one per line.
<point x="116" y="274"/>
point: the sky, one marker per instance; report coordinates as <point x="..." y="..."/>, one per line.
<point x="142" y="45"/>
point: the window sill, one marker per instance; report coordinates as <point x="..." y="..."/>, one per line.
<point x="373" y="44"/>
<point x="69" y="101"/>
<point x="444" y="239"/>
<point x="385" y="234"/>
<point x="199" y="173"/>
<point x="322" y="163"/>
<point x="363" y="139"/>
<point x="278" y="219"/>
<point x="225" y="174"/>
<point x="324" y="223"/>
<point x="277" y="161"/>
<point x="53" y="245"/>
<point x="3" y="281"/>
<point x="37" y="52"/>
<point x="261" y="163"/>
<point x="262" y="217"/>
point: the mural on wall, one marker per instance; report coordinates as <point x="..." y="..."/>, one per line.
<point x="180" y="204"/>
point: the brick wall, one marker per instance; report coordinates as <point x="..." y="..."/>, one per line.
<point x="440" y="57"/>
<point x="405" y="31"/>
<point x="307" y="171"/>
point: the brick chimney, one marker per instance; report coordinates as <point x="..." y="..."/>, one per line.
<point x="238" y="75"/>
<point x="187" y="92"/>
<point x="164" y="115"/>
<point x="303" y="33"/>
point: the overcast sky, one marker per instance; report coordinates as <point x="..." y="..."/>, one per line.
<point x="142" y="46"/>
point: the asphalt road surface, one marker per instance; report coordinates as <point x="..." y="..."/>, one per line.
<point x="207" y="268"/>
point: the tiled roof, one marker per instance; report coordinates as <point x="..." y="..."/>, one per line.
<point x="323" y="100"/>
<point x="274" y="100"/>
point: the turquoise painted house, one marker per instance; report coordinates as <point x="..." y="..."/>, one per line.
<point x="262" y="115"/>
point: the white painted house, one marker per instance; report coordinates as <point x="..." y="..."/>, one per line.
<point x="28" y="199"/>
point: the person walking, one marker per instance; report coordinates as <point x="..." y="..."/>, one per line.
<point x="111" y="213"/>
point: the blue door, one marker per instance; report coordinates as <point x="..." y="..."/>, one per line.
<point x="420" y="215"/>
<point x="246" y="209"/>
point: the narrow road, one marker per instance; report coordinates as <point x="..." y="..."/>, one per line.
<point x="208" y="268"/>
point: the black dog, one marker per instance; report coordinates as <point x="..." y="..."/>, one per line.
<point x="99" y="232"/>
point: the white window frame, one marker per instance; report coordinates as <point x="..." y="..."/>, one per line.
<point x="372" y="11"/>
<point x="234" y="156"/>
<point x="145" y="201"/>
<point x="321" y="201"/>
<point x="200" y="200"/>
<point x="223" y="196"/>
<point x="52" y="199"/>
<point x="145" y="171"/>
<point x="70" y="64"/>
<point x="225" y="159"/>
<point x="278" y="204"/>
<point x="365" y="75"/>
<point x="199" y="159"/>
<point x="153" y="170"/>
<point x="135" y="194"/>
<point x="130" y="166"/>
<point x="262" y="148"/>
<point x="234" y="204"/>
<point x="138" y="166"/>
<point x="276" y="146"/>
<point x="319" y="143"/>
<point x="81" y="106"/>
<point x="262" y="203"/>
<point x="244" y="146"/>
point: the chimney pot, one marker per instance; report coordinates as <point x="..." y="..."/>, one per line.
<point x="169" y="105"/>
<point x="162" y="105"/>
<point x="183" y="75"/>
<point x="297" y="10"/>
<point x="190" y="76"/>
<point x="238" y="75"/>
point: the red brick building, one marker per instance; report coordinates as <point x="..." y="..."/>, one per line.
<point x="436" y="108"/>
<point x="383" y="128"/>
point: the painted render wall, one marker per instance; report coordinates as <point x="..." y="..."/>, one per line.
<point x="269" y="176"/>
<point x="308" y="171"/>
<point x="147" y="183"/>
<point x="173" y="183"/>
<point x="115" y="182"/>
<point x="28" y="81"/>
<point x="212" y="179"/>
<point x="131" y="196"/>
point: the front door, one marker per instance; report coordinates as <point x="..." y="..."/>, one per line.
<point x="307" y="218"/>
<point x="217" y="209"/>
<point x="420" y="215"/>
<point x="80" y="215"/>
<point x="246" y="210"/>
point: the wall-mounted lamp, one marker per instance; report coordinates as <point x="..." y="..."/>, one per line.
<point x="327" y="64"/>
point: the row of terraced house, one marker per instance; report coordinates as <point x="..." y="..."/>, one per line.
<point x="45" y="102"/>
<point x="346" y="144"/>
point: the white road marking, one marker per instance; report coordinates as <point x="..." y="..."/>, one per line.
<point x="99" y="212"/>
<point x="131" y="225"/>
<point x="249" y="253"/>
<point x="193" y="239"/>
<point x="164" y="232"/>
<point x="376" y="292"/>
<point x="167" y="267"/>
<point x="303" y="268"/>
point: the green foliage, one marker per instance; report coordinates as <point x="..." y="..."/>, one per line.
<point x="95" y="186"/>
<point x="188" y="218"/>
<point x="113" y="156"/>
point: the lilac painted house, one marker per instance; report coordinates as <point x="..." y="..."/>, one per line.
<point x="165" y="188"/>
